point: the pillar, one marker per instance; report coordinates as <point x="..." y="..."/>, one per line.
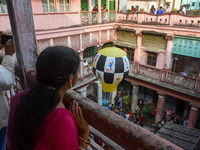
<point x="23" y="31"/>
<point x="69" y="41"/>
<point x="125" y="50"/>
<point x="168" y="51"/>
<point x="99" y="38"/>
<point x="186" y="109"/>
<point x="138" y="48"/>
<point x="193" y="116"/>
<point x="108" y="12"/>
<point x="83" y="91"/>
<point x="160" y="106"/>
<point x="113" y="97"/>
<point x="81" y="42"/>
<point x="90" y="11"/>
<point x="134" y="103"/>
<point x="99" y="11"/>
<point x="81" y="63"/>
<point x="116" y="7"/>
<point x="99" y="92"/>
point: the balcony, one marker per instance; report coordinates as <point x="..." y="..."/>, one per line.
<point x="171" y="19"/>
<point x="166" y="79"/>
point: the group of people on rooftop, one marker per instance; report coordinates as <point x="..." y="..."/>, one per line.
<point x="162" y="10"/>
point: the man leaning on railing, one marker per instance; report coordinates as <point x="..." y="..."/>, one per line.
<point x="6" y="82"/>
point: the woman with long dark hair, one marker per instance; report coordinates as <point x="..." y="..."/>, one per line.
<point x="38" y="119"/>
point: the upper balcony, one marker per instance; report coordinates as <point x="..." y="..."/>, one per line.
<point x="168" y="19"/>
<point x="59" y="15"/>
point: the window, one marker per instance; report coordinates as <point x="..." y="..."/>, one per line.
<point x="137" y="7"/>
<point x="152" y="59"/>
<point x="89" y="52"/>
<point x="48" y="6"/>
<point x="193" y="3"/>
<point x="64" y="5"/>
<point x="130" y="54"/>
<point x="3" y="7"/>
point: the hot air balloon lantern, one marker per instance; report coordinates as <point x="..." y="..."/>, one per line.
<point x="111" y="66"/>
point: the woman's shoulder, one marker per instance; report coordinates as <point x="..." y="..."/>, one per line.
<point x="58" y="120"/>
<point x="59" y="113"/>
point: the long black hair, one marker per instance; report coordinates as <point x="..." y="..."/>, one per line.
<point x="53" y="67"/>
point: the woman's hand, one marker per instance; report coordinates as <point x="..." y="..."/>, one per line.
<point x="83" y="128"/>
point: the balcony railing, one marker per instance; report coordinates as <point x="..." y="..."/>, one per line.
<point x="112" y="16"/>
<point x="165" y="76"/>
<point x="104" y="16"/>
<point x="172" y="19"/>
<point x="87" y="70"/>
<point x="94" y="17"/>
<point x="85" y="18"/>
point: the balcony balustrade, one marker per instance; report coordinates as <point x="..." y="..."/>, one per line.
<point x="171" y="19"/>
<point x="112" y="16"/>
<point x="94" y="17"/>
<point x="85" y="18"/>
<point x="165" y="76"/>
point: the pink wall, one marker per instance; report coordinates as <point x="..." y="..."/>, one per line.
<point x="160" y="63"/>
<point x="75" y="5"/>
<point x="37" y="6"/>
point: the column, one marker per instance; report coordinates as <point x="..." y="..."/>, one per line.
<point x="57" y="6"/>
<point x="90" y="11"/>
<point x="108" y="12"/>
<point x="116" y="6"/>
<point x="186" y="109"/>
<point x="81" y="63"/>
<point x="51" y="42"/>
<point x="81" y="42"/>
<point x="168" y="51"/>
<point x="113" y="94"/>
<point x="134" y="103"/>
<point x="99" y="92"/>
<point x="99" y="11"/>
<point x="99" y="38"/>
<point x="125" y="49"/>
<point x="83" y="91"/>
<point x="193" y="116"/>
<point x="69" y="41"/>
<point x="138" y="49"/>
<point x="160" y="106"/>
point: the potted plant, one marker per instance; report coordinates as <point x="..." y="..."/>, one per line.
<point x="141" y="9"/>
<point x="126" y="101"/>
<point x="128" y="11"/>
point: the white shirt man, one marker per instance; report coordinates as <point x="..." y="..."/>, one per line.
<point x="168" y="10"/>
<point x="6" y="82"/>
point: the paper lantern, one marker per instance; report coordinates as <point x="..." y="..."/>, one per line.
<point x="111" y="66"/>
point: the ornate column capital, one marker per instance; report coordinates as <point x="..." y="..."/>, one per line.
<point x="134" y="84"/>
<point x="161" y="94"/>
<point x="169" y="37"/>
<point x="138" y="33"/>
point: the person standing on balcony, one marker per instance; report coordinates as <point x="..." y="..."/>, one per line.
<point x="95" y="8"/>
<point x="133" y="9"/>
<point x="6" y="82"/>
<point x="168" y="10"/>
<point x="152" y="10"/>
<point x="38" y="119"/>
<point x="104" y="8"/>
<point x="160" y="11"/>
<point x="182" y="10"/>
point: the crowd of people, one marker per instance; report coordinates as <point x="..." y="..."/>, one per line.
<point x="139" y="118"/>
<point x="162" y="10"/>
